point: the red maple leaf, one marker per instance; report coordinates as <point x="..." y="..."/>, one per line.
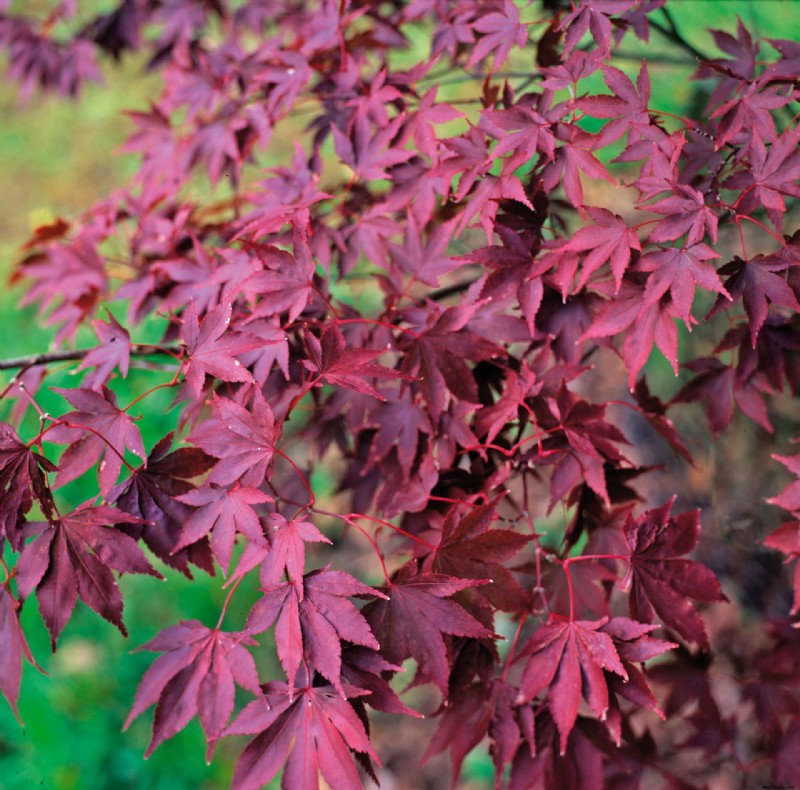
<point x="501" y="31"/>
<point x="572" y="158"/>
<point x="287" y="553"/>
<point x="23" y="476"/>
<point x="437" y="356"/>
<point x="491" y="420"/>
<point x="592" y="15"/>
<point x="520" y="129"/>
<point x="567" y="657"/>
<point x="196" y="676"/>
<point x="758" y="282"/>
<point x="419" y="123"/>
<point x="13" y="646"/>
<point x="223" y="513"/>
<point x="468" y="549"/>
<point x="609" y="240"/>
<point x="281" y="551"/>
<point x="476" y="712"/>
<point x="242" y="440"/>
<point x="368" y="670"/>
<point x="370" y="154"/>
<point x="426" y="261"/>
<point x="685" y="211"/>
<point x="312" y="615"/>
<point x="680" y="270"/>
<point x="72" y="557"/>
<point x="415" y="614"/>
<point x="151" y="494"/>
<point x="211" y="348"/>
<point x="285" y="283"/>
<point x="661" y="581"/>
<point x="398" y="424"/>
<point x="628" y="104"/>
<point x="749" y="110"/>
<point x="721" y="386"/>
<point x="635" y="646"/>
<point x="112" y="431"/>
<point x="786" y="538"/>
<point x="309" y="730"/>
<point x="347" y="367"/>
<point x="114" y="353"/>
<point x="646" y="326"/>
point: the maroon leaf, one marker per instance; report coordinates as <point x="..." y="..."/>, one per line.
<point x="309" y="730"/>
<point x="468" y="549"/>
<point x="211" y="348"/>
<point x="437" y="356"/>
<point x="411" y="622"/>
<point x="23" y="477"/>
<point x="609" y="240"/>
<point x="13" y="646"/>
<point x="223" y="513"/>
<point x="195" y="677"/>
<point x="287" y="548"/>
<point x="244" y="441"/>
<point x="661" y="582"/>
<point x="151" y="494"/>
<point x="568" y="658"/>
<point x="114" y="353"/>
<point x="680" y="271"/>
<point x="312" y="616"/>
<point x="73" y="557"/>
<point x="112" y="432"/>
<point x="501" y="31"/>
<point x="347" y="367"/>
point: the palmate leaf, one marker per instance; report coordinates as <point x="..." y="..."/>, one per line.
<point x="308" y="730"/>
<point x="568" y="658"/>
<point x="347" y="367"/>
<point x="23" y="477"/>
<point x="115" y="352"/>
<point x="661" y="582"/>
<point x="195" y="676"/>
<point x="608" y="240"/>
<point x="72" y="557"/>
<point x="223" y="513"/>
<point x="679" y="271"/>
<point x="312" y="617"/>
<point x="13" y="647"/>
<point x="98" y="430"/>
<point x="414" y="615"/>
<point x="243" y="440"/>
<point x="212" y="349"/>
<point x="151" y="494"/>
<point x="468" y="549"/>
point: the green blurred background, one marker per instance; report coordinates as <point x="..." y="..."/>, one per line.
<point x="56" y="158"/>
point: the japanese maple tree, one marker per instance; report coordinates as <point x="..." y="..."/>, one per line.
<point x="430" y="246"/>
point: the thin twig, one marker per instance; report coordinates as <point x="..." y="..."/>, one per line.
<point x="137" y="350"/>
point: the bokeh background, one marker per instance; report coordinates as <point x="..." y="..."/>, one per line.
<point x="58" y="157"/>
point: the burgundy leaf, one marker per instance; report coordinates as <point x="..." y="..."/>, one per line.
<point x="211" y="348"/>
<point x="73" y="557"/>
<point x="194" y="677"/>
<point x="568" y="658"/>
<point x="242" y="440"/>
<point x="661" y="582"/>
<point x="107" y="433"/>
<point x="411" y="621"/>
<point x="308" y="731"/>
<point x="312" y="616"/>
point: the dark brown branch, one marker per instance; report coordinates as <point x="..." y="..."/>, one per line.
<point x="137" y="350"/>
